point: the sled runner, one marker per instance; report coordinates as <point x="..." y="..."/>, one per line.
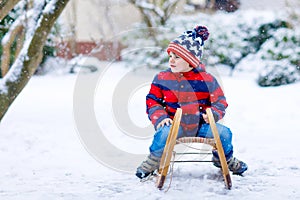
<point x="171" y="142"/>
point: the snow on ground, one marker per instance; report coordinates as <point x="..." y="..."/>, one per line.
<point x="42" y="155"/>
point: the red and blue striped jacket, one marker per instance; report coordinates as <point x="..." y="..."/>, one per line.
<point x="192" y="91"/>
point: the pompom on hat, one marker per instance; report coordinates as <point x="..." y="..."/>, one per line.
<point x="189" y="45"/>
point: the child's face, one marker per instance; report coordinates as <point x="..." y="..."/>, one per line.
<point x="178" y="64"/>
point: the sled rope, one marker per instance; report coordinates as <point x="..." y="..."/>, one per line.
<point x="164" y="161"/>
<point x="171" y="172"/>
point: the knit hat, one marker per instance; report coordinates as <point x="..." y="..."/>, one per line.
<point x="189" y="45"/>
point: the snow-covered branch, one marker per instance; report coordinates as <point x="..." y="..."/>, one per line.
<point x="155" y="13"/>
<point x="15" y="29"/>
<point x="6" y="6"/>
<point x="30" y="56"/>
<point x="150" y="6"/>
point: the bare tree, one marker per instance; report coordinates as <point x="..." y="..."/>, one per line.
<point x="292" y="7"/>
<point x="227" y="5"/>
<point x="45" y="13"/>
<point x="155" y="12"/>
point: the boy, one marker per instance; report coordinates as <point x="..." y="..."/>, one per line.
<point x="187" y="85"/>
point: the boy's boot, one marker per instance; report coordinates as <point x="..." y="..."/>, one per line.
<point x="148" y="166"/>
<point x="237" y="167"/>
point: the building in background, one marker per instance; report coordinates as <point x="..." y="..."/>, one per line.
<point x="95" y="25"/>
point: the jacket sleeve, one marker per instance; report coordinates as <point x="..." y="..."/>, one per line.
<point x="155" y="103"/>
<point x="218" y="100"/>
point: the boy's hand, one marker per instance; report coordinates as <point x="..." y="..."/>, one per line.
<point x="205" y="117"/>
<point x="166" y="121"/>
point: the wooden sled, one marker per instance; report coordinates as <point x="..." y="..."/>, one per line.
<point x="172" y="140"/>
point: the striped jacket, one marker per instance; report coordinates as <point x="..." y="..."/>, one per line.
<point x="192" y="91"/>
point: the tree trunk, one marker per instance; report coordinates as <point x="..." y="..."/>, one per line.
<point x="6" y="6"/>
<point x="26" y="64"/>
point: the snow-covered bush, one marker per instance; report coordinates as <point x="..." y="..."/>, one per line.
<point x="227" y="45"/>
<point x="144" y="50"/>
<point x="266" y="31"/>
<point x="283" y="49"/>
<point x="278" y="73"/>
<point x="232" y="42"/>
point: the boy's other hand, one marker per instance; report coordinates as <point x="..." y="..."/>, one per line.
<point x="164" y="122"/>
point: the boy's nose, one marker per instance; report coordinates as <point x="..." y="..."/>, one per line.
<point x="171" y="59"/>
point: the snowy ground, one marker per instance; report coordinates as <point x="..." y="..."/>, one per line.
<point x="42" y="154"/>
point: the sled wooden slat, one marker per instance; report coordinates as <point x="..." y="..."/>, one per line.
<point x="167" y="154"/>
<point x="220" y="149"/>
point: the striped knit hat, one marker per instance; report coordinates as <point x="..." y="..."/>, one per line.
<point x="189" y="45"/>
